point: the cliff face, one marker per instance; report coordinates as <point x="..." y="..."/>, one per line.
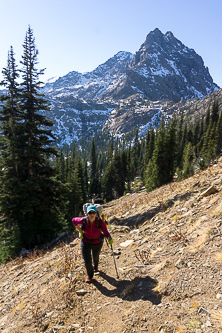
<point x="165" y="69"/>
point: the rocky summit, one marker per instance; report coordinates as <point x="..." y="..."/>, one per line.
<point x="168" y="275"/>
<point x="163" y="69"/>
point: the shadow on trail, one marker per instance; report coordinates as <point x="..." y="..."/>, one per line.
<point x="132" y="290"/>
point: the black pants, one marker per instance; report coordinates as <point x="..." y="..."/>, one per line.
<point x="89" y="252"/>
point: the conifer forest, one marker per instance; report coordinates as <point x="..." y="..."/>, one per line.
<point x="43" y="187"/>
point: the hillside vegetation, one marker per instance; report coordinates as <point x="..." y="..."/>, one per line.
<point x="168" y="252"/>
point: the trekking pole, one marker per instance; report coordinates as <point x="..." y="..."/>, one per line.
<point x="117" y="275"/>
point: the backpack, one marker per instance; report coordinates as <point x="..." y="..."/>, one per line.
<point x="100" y="214"/>
<point x="98" y="207"/>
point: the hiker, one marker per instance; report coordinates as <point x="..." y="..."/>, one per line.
<point x="92" y="235"/>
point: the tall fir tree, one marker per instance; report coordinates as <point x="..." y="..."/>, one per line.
<point x="37" y="193"/>
<point x="159" y="160"/>
<point x="219" y="135"/>
<point x="188" y="159"/>
<point x="9" y="160"/>
<point x="94" y="186"/>
<point x="214" y="112"/>
<point x="170" y="151"/>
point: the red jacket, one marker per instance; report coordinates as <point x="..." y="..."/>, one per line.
<point x="92" y="232"/>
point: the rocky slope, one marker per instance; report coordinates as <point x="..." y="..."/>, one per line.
<point x="168" y="253"/>
<point x="163" y="69"/>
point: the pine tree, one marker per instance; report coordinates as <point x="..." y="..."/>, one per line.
<point x="94" y="187"/>
<point x="188" y="158"/>
<point x="86" y="177"/>
<point x="170" y="151"/>
<point x="123" y="171"/>
<point x="110" y="151"/>
<point x="179" y="136"/>
<point x="76" y="190"/>
<point x="159" y="175"/>
<point x="149" y="147"/>
<point x="128" y="168"/>
<point x="60" y="166"/>
<point x="107" y="183"/>
<point x="135" y="152"/>
<point x="219" y="135"/>
<point x="9" y="159"/>
<point x="206" y="120"/>
<point x="36" y="204"/>
<point x="214" y="112"/>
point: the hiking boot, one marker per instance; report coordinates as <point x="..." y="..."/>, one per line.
<point x="88" y="280"/>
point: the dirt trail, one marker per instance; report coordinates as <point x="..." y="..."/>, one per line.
<point x="168" y="252"/>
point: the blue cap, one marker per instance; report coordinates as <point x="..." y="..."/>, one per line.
<point x="89" y="208"/>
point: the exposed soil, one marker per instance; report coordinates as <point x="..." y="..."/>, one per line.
<point x="168" y="252"/>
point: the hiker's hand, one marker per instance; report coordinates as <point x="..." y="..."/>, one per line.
<point x="80" y="234"/>
<point x="110" y="240"/>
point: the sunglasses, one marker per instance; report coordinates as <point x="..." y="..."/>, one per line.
<point x="92" y="213"/>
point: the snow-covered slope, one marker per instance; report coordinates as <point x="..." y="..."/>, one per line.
<point x="119" y="94"/>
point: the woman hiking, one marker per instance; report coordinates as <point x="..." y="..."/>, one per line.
<point x="92" y="235"/>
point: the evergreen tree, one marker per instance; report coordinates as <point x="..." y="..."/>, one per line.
<point x="179" y="142"/>
<point x="188" y="157"/>
<point x="207" y="120"/>
<point x="159" y="161"/>
<point x="94" y="187"/>
<point x="215" y="112"/>
<point x="219" y="135"/>
<point x="211" y="148"/>
<point x="135" y="153"/>
<point x="107" y="183"/>
<point x="199" y="138"/>
<point x="170" y="151"/>
<point x="76" y="190"/>
<point x="86" y="177"/>
<point x="110" y="151"/>
<point x="9" y="159"/>
<point x="149" y="147"/>
<point x="36" y="206"/>
<point x="123" y="171"/>
<point x="128" y="168"/>
<point x="60" y="166"/>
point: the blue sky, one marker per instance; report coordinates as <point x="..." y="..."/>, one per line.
<point x="79" y="35"/>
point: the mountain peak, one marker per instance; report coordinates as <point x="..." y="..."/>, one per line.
<point x="154" y="35"/>
<point x="169" y="34"/>
<point x="162" y="69"/>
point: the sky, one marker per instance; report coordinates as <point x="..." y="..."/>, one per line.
<point x="79" y="35"/>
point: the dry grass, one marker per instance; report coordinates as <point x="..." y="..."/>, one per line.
<point x="218" y="256"/>
<point x="143" y="255"/>
<point x="176" y="218"/>
<point x="159" y="266"/>
<point x="178" y="237"/>
<point x="195" y="306"/>
<point x="158" y="249"/>
<point x="163" y="230"/>
<point x="197" y="224"/>
<point x="181" y="329"/>
<point x="218" y="210"/>
<point x="161" y="286"/>
<point x="201" y="239"/>
<point x="217" y="316"/>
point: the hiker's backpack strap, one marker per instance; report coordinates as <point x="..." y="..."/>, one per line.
<point x="83" y="224"/>
<point x="98" y="223"/>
